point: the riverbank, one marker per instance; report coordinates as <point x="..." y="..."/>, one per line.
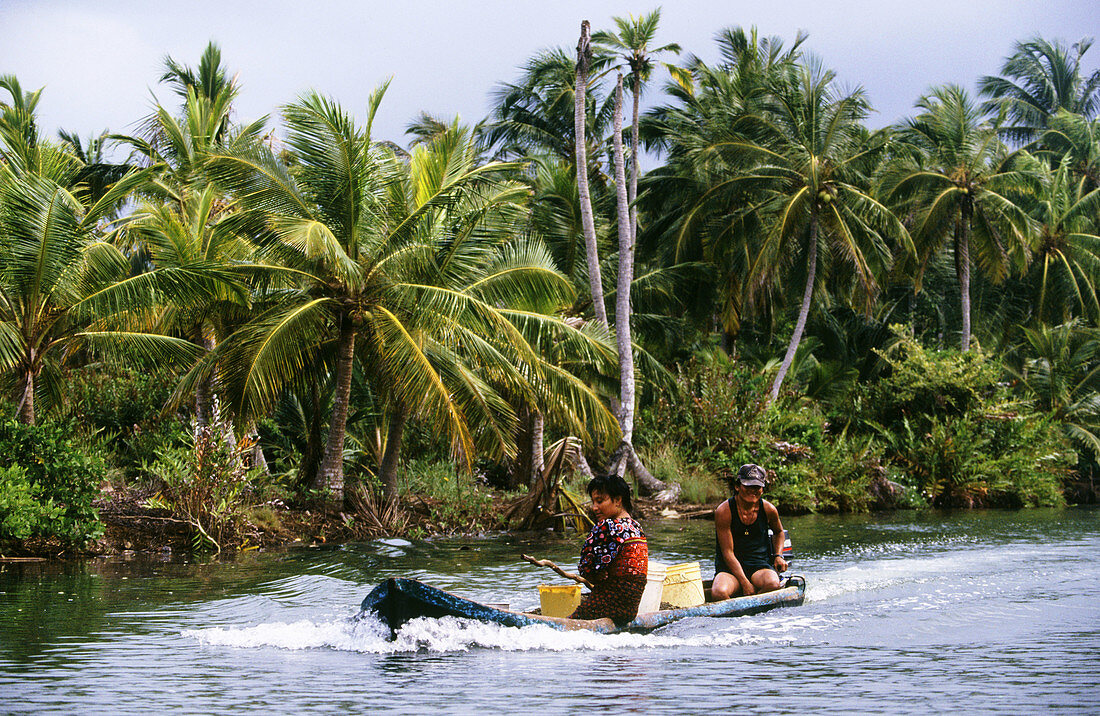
<point x="131" y="525"/>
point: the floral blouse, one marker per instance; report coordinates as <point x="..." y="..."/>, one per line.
<point x="614" y="548"/>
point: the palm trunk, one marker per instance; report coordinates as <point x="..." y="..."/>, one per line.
<point x="626" y="276"/>
<point x="804" y="311"/>
<point x="25" y="410"/>
<point x="204" y="391"/>
<point x="595" y="281"/>
<point x="962" y="253"/>
<point x="633" y="196"/>
<point x="391" y="455"/>
<point x="309" y="471"/>
<point x="538" y="464"/>
<point x="332" y="467"/>
<point x="257" y="453"/>
<point x="628" y="458"/>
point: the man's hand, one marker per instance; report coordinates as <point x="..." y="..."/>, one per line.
<point x="780" y="564"/>
<point x="747" y="588"/>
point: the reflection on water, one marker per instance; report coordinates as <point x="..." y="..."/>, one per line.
<point x="904" y="613"/>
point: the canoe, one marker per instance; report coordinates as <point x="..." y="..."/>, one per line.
<point x="396" y="601"/>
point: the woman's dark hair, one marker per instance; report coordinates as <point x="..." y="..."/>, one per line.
<point x="612" y="486"/>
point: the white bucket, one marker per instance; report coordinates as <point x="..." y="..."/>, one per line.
<point x="654" y="586"/>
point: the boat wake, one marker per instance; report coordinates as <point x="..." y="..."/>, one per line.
<point x="450" y="634"/>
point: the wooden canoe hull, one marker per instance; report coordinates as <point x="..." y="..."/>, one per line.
<point x="397" y="601"/>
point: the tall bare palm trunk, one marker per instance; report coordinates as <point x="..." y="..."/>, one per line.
<point x="803" y="312"/>
<point x="962" y="267"/>
<point x="626" y="457"/>
<point x="633" y="196"/>
<point x="392" y="454"/>
<point x="595" y="281"/>
<point x="626" y="276"/>
<point x="332" y="466"/>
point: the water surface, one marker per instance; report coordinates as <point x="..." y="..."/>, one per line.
<point x="991" y="612"/>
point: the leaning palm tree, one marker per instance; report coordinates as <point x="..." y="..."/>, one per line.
<point x="791" y="167"/>
<point x="1039" y="78"/>
<point x="814" y="195"/>
<point x="688" y="201"/>
<point x="953" y="175"/>
<point x="61" y="285"/>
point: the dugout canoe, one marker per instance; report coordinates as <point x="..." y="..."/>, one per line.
<point x="398" y="600"/>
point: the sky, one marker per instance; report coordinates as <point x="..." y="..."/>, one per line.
<point x="99" y="60"/>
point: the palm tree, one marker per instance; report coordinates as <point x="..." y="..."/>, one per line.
<point x="780" y="181"/>
<point x="1059" y="368"/>
<point x="534" y="116"/>
<point x="814" y="199"/>
<point x="690" y="200"/>
<point x="185" y="221"/>
<point x="62" y="287"/>
<point x="1037" y="79"/>
<point x="1075" y="139"/>
<point x="1066" y="266"/>
<point x="954" y="175"/>
<point x="198" y="234"/>
<point x="633" y="40"/>
<point x="97" y="173"/>
<point x="393" y="269"/>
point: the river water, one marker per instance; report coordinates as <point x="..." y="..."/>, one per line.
<point x="987" y="612"/>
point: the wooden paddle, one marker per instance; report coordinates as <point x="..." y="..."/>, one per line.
<point x="556" y="568"/>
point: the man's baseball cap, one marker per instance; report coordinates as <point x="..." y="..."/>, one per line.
<point x="751" y="474"/>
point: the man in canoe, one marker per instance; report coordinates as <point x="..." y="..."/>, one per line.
<point x="743" y="562"/>
<point x="615" y="557"/>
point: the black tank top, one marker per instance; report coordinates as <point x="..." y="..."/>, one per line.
<point x="750" y="542"/>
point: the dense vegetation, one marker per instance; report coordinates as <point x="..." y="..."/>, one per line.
<point x="232" y="318"/>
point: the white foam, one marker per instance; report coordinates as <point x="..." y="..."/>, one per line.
<point x="453" y="635"/>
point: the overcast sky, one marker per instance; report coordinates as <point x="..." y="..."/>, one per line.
<point x="99" y="60"/>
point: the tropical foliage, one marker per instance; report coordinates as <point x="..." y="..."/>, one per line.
<point x="885" y="318"/>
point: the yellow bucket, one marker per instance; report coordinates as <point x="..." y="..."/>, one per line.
<point x="559" y="600"/>
<point x="683" y="585"/>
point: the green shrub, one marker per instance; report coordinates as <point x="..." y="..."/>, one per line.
<point x="207" y="485"/>
<point x="715" y="408"/>
<point x="119" y="412"/>
<point x="923" y="385"/>
<point x="838" y="479"/>
<point x="697" y="484"/>
<point x="57" y="486"/>
<point x="458" y="502"/>
<point x="22" y="514"/>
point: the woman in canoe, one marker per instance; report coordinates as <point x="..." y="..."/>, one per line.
<point x="615" y="557"/>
